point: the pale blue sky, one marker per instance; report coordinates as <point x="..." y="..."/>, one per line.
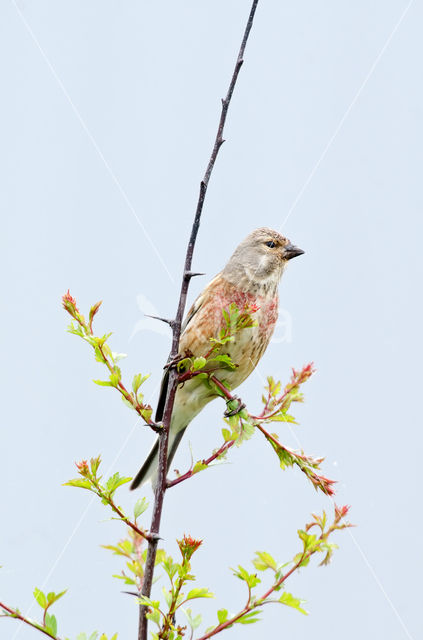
<point x="106" y="127"/>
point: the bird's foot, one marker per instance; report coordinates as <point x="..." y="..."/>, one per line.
<point x="177" y="360"/>
<point x="174" y="362"/>
<point x="234" y="406"/>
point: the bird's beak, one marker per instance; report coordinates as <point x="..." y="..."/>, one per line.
<point x="291" y="251"/>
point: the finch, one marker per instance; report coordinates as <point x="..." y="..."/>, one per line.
<point x="250" y="280"/>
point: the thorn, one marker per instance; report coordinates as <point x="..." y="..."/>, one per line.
<point x="156" y="426"/>
<point x="155" y="537"/>
<point x="132" y="593"/>
<point x="192" y="274"/>
<point x="166" y="320"/>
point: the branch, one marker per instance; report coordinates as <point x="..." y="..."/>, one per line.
<point x="205" y="463"/>
<point x="13" y="613"/>
<point x="311" y="545"/>
<point x="91" y="482"/>
<point x="176" y="332"/>
<point x="243" y="424"/>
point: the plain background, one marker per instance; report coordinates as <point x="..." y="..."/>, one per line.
<point x="105" y="135"/>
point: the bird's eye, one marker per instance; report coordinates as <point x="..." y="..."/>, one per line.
<point x="271" y="244"/>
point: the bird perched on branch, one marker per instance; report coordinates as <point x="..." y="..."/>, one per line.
<point x="250" y="280"/>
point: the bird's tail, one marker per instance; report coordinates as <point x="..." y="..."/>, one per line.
<point x="149" y="469"/>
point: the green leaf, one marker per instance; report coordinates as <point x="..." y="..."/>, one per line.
<point x="93" y="341"/>
<point x="75" y="329"/>
<point x="139" y="507"/>
<point x="310" y="541"/>
<point x="40" y="597"/>
<point x="167" y="596"/>
<point x="54" y="597"/>
<point x="227" y="435"/>
<point x="246" y="432"/>
<point x="184" y="364"/>
<point x="115" y="378"/>
<point x="160" y="556"/>
<point x="250" y="578"/>
<point x="199" y="363"/>
<point x="273" y="387"/>
<point x="290" y="601"/>
<point x="51" y="624"/>
<point x="303" y="562"/>
<point x="155" y="604"/>
<point x="282" y="417"/>
<point x="199" y="593"/>
<point x="194" y="623"/>
<point x="94" y="464"/>
<point x="114" y="482"/>
<point x="146" y="413"/>
<point x="103" y="383"/>
<point x="127" y="403"/>
<point x="138" y="380"/>
<point x="199" y="466"/>
<point x="170" y="567"/>
<point x="264" y="561"/>
<point x="224" y="359"/>
<point x="222" y="615"/>
<point x="154" y="616"/>
<point x="249" y="618"/>
<point x="102" y="340"/>
<point x="78" y="482"/>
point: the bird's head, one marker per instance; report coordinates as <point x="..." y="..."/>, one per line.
<point x="261" y="256"/>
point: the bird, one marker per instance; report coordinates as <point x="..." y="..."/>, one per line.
<point x="250" y="280"/>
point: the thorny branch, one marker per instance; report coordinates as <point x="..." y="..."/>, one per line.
<point x="176" y="332"/>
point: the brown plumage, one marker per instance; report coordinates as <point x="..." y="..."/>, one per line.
<point x="250" y="279"/>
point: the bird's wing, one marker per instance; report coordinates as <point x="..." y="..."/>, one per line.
<point x="195" y="308"/>
<point x="162" y="396"/>
<point x="192" y="311"/>
<point x="198" y="303"/>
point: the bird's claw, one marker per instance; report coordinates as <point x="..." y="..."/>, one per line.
<point x="177" y="359"/>
<point x="173" y="363"/>
<point x="239" y="407"/>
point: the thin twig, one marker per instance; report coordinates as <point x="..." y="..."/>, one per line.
<point x="222" y="450"/>
<point x="176" y="331"/>
<point x="12" y="613"/>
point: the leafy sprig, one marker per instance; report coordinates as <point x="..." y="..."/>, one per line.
<point x="103" y="354"/>
<point x="90" y="480"/>
<point x="48" y="625"/>
<point x="131" y="549"/>
<point x="264" y="562"/>
<point x="242" y="424"/>
<point x="163" y="611"/>
<point x="179" y="573"/>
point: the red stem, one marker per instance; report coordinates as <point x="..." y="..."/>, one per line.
<point x="120" y="513"/>
<point x="225" y="446"/>
<point x="248" y="608"/>
<point x="17" y="615"/>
